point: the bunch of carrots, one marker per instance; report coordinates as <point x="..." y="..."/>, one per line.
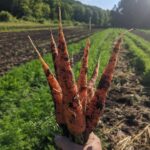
<point x="78" y="106"/>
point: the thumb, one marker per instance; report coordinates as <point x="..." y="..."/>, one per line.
<point x="65" y="144"/>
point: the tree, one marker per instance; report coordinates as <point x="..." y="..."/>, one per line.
<point x="131" y="13"/>
<point x="78" y="13"/>
<point x="45" y="9"/>
<point x="67" y="11"/>
<point x="25" y="8"/>
<point x="41" y="10"/>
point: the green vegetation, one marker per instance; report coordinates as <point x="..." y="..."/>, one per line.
<point x="41" y="10"/>
<point x="6" y="16"/>
<point x="26" y="111"/>
<point x="26" y="25"/>
<point x="141" y="54"/>
<point x="141" y="43"/>
<point x="27" y="120"/>
<point x="123" y="15"/>
<point x="99" y="48"/>
<point x="20" y="26"/>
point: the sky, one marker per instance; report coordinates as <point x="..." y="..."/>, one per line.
<point x="105" y="4"/>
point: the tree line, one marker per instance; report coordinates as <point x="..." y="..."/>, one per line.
<point x="131" y="13"/>
<point x="128" y="13"/>
<point x="48" y="9"/>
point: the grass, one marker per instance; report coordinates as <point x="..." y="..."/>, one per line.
<point x="26" y="25"/>
<point x="27" y="118"/>
<point x="21" y="26"/>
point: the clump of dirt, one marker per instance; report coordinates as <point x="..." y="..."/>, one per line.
<point x="126" y="121"/>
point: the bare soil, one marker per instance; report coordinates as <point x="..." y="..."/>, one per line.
<point x="15" y="48"/>
<point x="125" y="123"/>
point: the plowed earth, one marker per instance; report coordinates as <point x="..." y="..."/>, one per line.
<point x="15" y="48"/>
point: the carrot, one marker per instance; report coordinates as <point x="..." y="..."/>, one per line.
<point x="54" y="50"/>
<point x="82" y="80"/>
<point x="54" y="86"/>
<point x="93" y="79"/>
<point x="97" y="104"/>
<point x="53" y="46"/>
<point x="92" y="82"/>
<point x="72" y="107"/>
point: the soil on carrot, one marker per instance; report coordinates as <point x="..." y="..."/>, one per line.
<point x="15" y="48"/>
<point x="125" y="124"/>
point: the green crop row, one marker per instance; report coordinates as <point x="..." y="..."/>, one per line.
<point x="141" y="58"/>
<point x="99" y="48"/>
<point x="140" y="42"/>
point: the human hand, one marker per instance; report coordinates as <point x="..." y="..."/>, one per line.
<point x="64" y="143"/>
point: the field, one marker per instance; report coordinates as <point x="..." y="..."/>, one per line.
<point x="16" y="47"/>
<point x="26" y="112"/>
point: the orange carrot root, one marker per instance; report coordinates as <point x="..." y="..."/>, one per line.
<point x="54" y="86"/>
<point x="73" y="112"/>
<point x="92" y="82"/>
<point x="54" y="50"/>
<point x="82" y="81"/>
<point x="78" y="106"/>
<point x="97" y="104"/>
<point x="53" y="46"/>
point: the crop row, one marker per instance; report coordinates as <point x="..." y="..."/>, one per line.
<point x="140" y="42"/>
<point x="140" y="51"/>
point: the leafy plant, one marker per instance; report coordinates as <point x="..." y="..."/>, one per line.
<point x="6" y="16"/>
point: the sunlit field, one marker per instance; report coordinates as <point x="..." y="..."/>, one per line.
<point x="27" y="108"/>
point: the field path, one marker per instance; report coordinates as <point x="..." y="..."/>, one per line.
<point x="15" y="48"/>
<point x="127" y="114"/>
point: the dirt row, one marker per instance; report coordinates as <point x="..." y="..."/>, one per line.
<point x="15" y="48"/>
<point x="125" y="124"/>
